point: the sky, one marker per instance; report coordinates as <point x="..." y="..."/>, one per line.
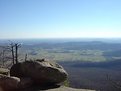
<point x="60" y="19"/>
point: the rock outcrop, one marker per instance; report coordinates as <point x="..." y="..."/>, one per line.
<point x="62" y="88"/>
<point x="39" y="75"/>
<point x="40" y="71"/>
<point x="8" y="83"/>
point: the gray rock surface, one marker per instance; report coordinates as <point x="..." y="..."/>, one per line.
<point x="67" y="89"/>
<point x="62" y="88"/>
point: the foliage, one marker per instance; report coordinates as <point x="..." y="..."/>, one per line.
<point x="66" y="83"/>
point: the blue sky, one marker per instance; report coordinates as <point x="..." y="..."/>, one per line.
<point x="60" y="19"/>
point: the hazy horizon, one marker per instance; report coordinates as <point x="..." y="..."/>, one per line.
<point x="60" y="40"/>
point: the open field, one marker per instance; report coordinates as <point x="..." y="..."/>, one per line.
<point x="74" y="51"/>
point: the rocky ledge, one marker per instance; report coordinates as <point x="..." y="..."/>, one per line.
<point x="37" y="75"/>
<point x="67" y="89"/>
<point x="61" y="88"/>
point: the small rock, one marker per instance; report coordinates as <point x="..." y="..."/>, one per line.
<point x="9" y="83"/>
<point x="4" y="71"/>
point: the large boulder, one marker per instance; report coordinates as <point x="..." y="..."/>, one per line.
<point x="25" y="83"/>
<point x="42" y="72"/>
